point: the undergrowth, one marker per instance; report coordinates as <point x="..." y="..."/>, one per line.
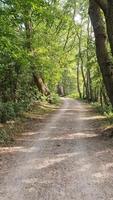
<point x="38" y="109"/>
<point x="106" y="110"/>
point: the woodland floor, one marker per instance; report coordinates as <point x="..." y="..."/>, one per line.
<point x="64" y="157"/>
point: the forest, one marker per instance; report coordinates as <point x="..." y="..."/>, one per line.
<point x="55" y="47"/>
<point x="56" y="99"/>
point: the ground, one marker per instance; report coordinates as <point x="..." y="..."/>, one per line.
<point x="65" y="158"/>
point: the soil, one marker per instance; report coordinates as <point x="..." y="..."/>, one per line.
<point x="65" y="158"/>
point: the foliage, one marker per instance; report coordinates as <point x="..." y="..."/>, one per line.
<point x="74" y="95"/>
<point x="4" y="137"/>
<point x="54" y="99"/>
<point x="53" y="40"/>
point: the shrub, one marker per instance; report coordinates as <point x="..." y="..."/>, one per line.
<point x="10" y="110"/>
<point x="5" y="137"/>
<point x="7" y="112"/>
<point x="54" y="98"/>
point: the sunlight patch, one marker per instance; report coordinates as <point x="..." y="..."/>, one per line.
<point x="10" y="149"/>
<point x="98" y="175"/>
<point x="44" y="163"/>
<point x="70" y="136"/>
<point x="93" y="117"/>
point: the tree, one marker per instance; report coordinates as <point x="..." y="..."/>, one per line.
<point x="103" y="55"/>
<point x="50" y="44"/>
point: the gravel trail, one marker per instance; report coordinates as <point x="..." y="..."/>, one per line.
<point x="66" y="159"/>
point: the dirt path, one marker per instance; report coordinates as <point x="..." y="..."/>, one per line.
<point x="65" y="160"/>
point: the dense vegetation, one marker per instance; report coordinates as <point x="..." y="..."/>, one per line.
<point x="48" y="47"/>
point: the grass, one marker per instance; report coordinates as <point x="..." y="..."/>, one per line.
<point x="106" y="111"/>
<point x="12" y="129"/>
<point x="107" y="123"/>
<point x="8" y="132"/>
<point x="39" y="109"/>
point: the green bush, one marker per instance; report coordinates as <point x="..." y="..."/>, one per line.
<point x="7" y="112"/>
<point x="10" y="110"/>
<point x="106" y="110"/>
<point x="54" y="98"/>
<point x="98" y="107"/>
<point x="5" y="137"/>
<point x="74" y="95"/>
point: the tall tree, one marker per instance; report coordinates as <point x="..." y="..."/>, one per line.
<point x="103" y="55"/>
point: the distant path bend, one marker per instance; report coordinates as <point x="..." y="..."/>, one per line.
<point x="66" y="160"/>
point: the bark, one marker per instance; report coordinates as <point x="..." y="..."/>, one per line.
<point x="81" y="59"/>
<point x="78" y="82"/>
<point x="96" y="95"/>
<point x="102" y="4"/>
<point x="101" y="97"/>
<point x="105" y="98"/>
<point x="107" y="8"/>
<point x="60" y="90"/>
<point x="109" y="23"/>
<point x="28" y="28"/>
<point x="84" y="91"/>
<point x="67" y="38"/>
<point x="42" y="87"/>
<point x="103" y="57"/>
<point x="89" y="86"/>
<point x="104" y="95"/>
<point x="88" y="74"/>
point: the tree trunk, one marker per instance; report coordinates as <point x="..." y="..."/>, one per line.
<point x="78" y="82"/>
<point x="103" y="57"/>
<point x="60" y="90"/>
<point x="109" y="23"/>
<point x="105" y="97"/>
<point x="101" y="97"/>
<point x="89" y="86"/>
<point x="42" y="87"/>
<point x="107" y="8"/>
<point x="88" y="73"/>
<point x="81" y="59"/>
